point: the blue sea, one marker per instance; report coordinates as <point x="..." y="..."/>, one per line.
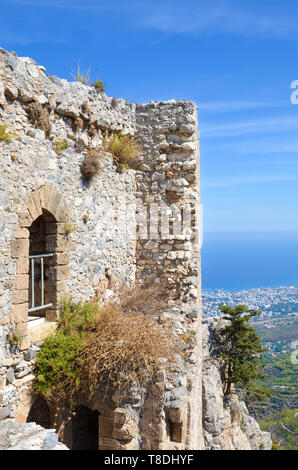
<point x="235" y="261"/>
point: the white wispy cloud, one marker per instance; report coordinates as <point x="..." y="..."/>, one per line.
<point x="87" y="5"/>
<point x="189" y="16"/>
<point x="238" y="181"/>
<point x="257" y="126"/>
<point x="257" y="146"/>
<point x="230" y="106"/>
<point x="23" y="39"/>
<point x="228" y="16"/>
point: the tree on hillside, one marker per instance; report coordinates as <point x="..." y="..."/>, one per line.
<point x="242" y="351"/>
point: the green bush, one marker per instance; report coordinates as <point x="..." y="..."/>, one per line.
<point x="99" y="85"/>
<point x="94" y="344"/>
<point x="60" y="145"/>
<point x="5" y="134"/>
<point x="57" y="365"/>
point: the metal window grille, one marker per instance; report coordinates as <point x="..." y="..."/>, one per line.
<point x="32" y="259"/>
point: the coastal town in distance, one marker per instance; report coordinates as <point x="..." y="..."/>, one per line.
<point x="278" y="323"/>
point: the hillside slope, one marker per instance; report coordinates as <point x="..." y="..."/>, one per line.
<point x="227" y="424"/>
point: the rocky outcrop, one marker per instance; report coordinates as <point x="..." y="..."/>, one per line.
<point x="28" y="436"/>
<point x="227" y="424"/>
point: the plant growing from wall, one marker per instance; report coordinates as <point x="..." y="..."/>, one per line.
<point x="101" y="344"/>
<point x="124" y="149"/>
<point x="5" y="134"/>
<point x="15" y="337"/>
<point x="90" y="165"/>
<point x="82" y="74"/>
<point x="60" y="145"/>
<point x="69" y="228"/>
<point x="99" y="86"/>
<point x="39" y="117"/>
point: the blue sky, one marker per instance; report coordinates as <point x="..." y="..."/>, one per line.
<point x="235" y="59"/>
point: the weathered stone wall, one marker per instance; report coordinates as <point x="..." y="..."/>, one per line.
<point x="168" y="242"/>
<point x="168" y="189"/>
<point x="102" y="212"/>
<point x="108" y="236"/>
<point x="19" y="436"/>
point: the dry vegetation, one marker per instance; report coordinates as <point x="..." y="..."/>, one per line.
<point x="90" y="165"/>
<point x="39" y="117"/>
<point x="83" y="75"/>
<point x="60" y="145"/>
<point x="115" y="345"/>
<point x="5" y="134"/>
<point x="125" y="347"/>
<point x="148" y="300"/>
<point x="124" y="149"/>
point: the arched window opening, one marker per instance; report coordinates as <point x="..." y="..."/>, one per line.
<point x="42" y="247"/>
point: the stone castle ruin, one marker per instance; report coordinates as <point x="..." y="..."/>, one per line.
<point x="61" y="234"/>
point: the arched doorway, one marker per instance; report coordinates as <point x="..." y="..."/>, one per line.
<point x="81" y="431"/>
<point x="40" y="413"/>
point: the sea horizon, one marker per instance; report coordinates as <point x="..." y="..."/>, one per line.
<point x="234" y="261"/>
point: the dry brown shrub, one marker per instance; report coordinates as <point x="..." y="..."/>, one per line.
<point x="39" y="117"/>
<point x="141" y="298"/>
<point x="124" y="348"/>
<point x="124" y="149"/>
<point x="90" y="166"/>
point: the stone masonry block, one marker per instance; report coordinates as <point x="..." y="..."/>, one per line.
<point x="59" y="273"/>
<point x="63" y="243"/>
<point x="36" y="199"/>
<point x="19" y="313"/>
<point x="62" y="214"/>
<point x="22" y="266"/>
<point x="33" y="210"/>
<point x="25" y="219"/>
<point x="44" y="195"/>
<point x="53" y="202"/>
<point x="20" y="296"/>
<point x="21" y="233"/>
<point x="62" y="258"/>
<point x="54" y="297"/>
<point x="25" y="344"/>
<point x="22" y="281"/>
<point x="19" y="248"/>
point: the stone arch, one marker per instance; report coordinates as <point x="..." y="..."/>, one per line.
<point x="45" y="203"/>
